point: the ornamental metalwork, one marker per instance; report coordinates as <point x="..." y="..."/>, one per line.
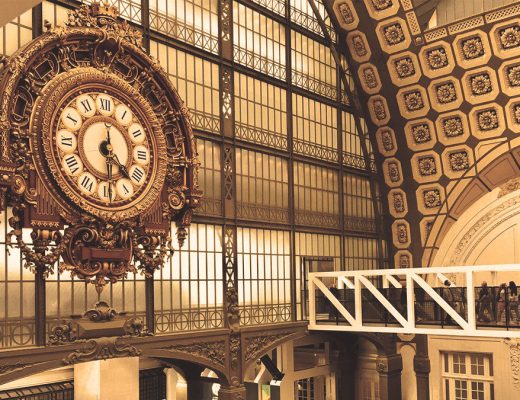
<point x="99" y="239"/>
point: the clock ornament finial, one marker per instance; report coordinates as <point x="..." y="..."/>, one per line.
<point x="104" y="9"/>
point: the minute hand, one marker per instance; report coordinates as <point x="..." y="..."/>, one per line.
<point x="122" y="168"/>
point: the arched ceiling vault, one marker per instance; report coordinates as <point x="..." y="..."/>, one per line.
<point x="439" y="103"/>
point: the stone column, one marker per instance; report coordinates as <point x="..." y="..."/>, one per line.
<point x="231" y="393"/>
<point x="389" y="369"/>
<point x="421" y="366"/>
<point x="171" y="383"/>
<point x="116" y="378"/>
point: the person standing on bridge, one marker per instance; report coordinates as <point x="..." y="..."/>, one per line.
<point x="513" y="302"/>
<point x="501" y="301"/>
<point x="484" y="303"/>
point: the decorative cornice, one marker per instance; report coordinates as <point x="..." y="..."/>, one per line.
<point x="102" y="349"/>
<point x="215" y="352"/>
<point x="256" y="345"/>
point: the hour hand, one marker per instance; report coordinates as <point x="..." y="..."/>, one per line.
<point x="122" y="168"/>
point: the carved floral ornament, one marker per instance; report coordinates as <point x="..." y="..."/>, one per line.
<point x="437" y="58"/>
<point x="513" y="75"/>
<point x="404" y="67"/>
<point x="98" y="236"/>
<point x="509" y="37"/>
<point x="472" y="48"/>
<point x="452" y="126"/>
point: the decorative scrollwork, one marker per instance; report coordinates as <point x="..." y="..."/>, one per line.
<point x="97" y="244"/>
<point x="101" y="349"/>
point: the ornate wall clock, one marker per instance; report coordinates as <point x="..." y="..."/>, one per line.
<point x="98" y="155"/>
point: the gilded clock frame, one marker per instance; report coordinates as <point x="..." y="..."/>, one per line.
<point x="43" y="127"/>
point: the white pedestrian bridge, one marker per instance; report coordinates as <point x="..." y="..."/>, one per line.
<point x="433" y="301"/>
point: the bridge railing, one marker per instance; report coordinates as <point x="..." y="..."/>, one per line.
<point x="443" y="300"/>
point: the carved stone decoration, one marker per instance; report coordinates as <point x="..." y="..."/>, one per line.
<point x="76" y="211"/>
<point x="509" y="187"/>
<point x="472" y="48"/>
<point x="102" y="349"/>
<point x="452" y="126"/>
<point x="513" y="75"/>
<point x="17" y="366"/>
<point x="413" y="101"/>
<point x="346" y="13"/>
<point x="214" y="352"/>
<point x="404" y="67"/>
<point x="62" y="334"/>
<point x="459" y="160"/>
<point x="421" y="133"/>
<point x="393" y="34"/>
<point x="487" y="120"/>
<point x="509" y="37"/>
<point x="427" y="166"/>
<point x="108" y="322"/>
<point x="381" y="5"/>
<point x="437" y="58"/>
<point x="480" y="84"/>
<point x="101" y="312"/>
<point x="432" y="198"/>
<point x="514" y="359"/>
<point x="255" y="346"/>
<point x="446" y="93"/>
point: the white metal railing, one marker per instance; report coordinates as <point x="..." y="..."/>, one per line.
<point x="416" y="301"/>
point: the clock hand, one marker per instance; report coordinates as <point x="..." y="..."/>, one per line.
<point x="108" y="126"/>
<point x="122" y="168"/>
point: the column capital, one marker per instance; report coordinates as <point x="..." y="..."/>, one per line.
<point x="421" y="364"/>
<point x="232" y="393"/>
<point x="389" y="364"/>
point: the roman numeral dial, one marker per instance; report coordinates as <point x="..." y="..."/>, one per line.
<point x="104" y="148"/>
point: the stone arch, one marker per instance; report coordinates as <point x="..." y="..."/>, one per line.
<point x="22" y="370"/>
<point x="499" y="167"/>
<point x="190" y="358"/>
<point x="253" y="352"/>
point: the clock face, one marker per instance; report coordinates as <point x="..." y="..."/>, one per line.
<point x="103" y="148"/>
<point x="98" y="146"/>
